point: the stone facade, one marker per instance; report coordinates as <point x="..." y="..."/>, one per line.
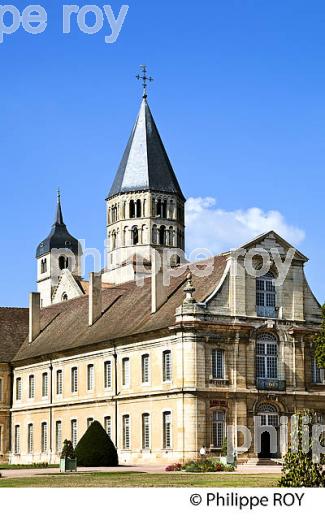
<point x="194" y="393"/>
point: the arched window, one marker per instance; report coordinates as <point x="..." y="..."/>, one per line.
<point x="138" y="208"/>
<point x="267" y="357"/>
<point x="63" y="262"/>
<point x="164" y="209"/>
<point x="64" y="297"/>
<point x="266" y="296"/>
<point x="43" y="265"/>
<point x="154" y="234"/>
<point x="132" y="209"/>
<point x="171" y="236"/>
<point x="162" y="235"/>
<point x="134" y="236"/>
<point x="113" y="240"/>
<point x="269" y="415"/>
<point x="158" y="208"/>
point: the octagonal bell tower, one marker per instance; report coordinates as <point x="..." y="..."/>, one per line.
<point x="145" y="206"/>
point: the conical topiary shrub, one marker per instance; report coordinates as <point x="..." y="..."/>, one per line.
<point x="95" y="448"/>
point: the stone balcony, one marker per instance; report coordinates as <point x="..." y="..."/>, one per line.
<point x="271" y="384"/>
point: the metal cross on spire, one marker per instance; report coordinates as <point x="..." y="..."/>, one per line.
<point x="144" y="78"/>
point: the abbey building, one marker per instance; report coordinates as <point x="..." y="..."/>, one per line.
<point x="165" y="367"/>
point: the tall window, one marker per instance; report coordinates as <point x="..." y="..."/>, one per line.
<point x="167" y="430"/>
<point x="218" y="365"/>
<point x="267" y="357"/>
<point x="145" y="368"/>
<point x="44" y="437"/>
<point x="266" y="296"/>
<point x="145" y="431"/>
<point x="90" y="377"/>
<point x="134" y="236"/>
<point x="1" y="389"/>
<point x="59" y="382"/>
<point x="167" y="366"/>
<point x="74" y="432"/>
<point x="126" y="432"/>
<point x="30" y="438"/>
<point x="218" y="429"/>
<point x="63" y="262"/>
<point x="58" y="436"/>
<point x="108" y="426"/>
<point x="125" y="372"/>
<point x="45" y="384"/>
<point x="17" y="439"/>
<point x="18" y="389"/>
<point x="318" y="374"/>
<point x="43" y="266"/>
<point x="74" y="380"/>
<point x="31" y="387"/>
<point x="108" y="374"/>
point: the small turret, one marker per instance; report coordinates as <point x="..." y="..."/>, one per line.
<point x="57" y="252"/>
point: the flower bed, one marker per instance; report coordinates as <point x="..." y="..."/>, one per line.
<point x="201" y="466"/>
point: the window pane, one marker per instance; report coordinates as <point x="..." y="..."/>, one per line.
<point x="90" y="377"/>
<point x="167" y="430"/>
<point x="218" y="429"/>
<point x="126" y="372"/>
<point x="167" y="367"/>
<point x="59" y="382"/>
<point x="145" y="368"/>
<point x="45" y="384"/>
<point x="58" y="436"/>
<point x="74" y="380"/>
<point x="30" y="439"/>
<point x="146" y="431"/>
<point x="44" y="437"/>
<point x="108" y="426"/>
<point x="218" y="364"/>
<point x="126" y="432"/>
<point x="74" y="433"/>
<point x="108" y="374"/>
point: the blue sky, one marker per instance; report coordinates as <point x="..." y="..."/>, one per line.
<point x="238" y="98"/>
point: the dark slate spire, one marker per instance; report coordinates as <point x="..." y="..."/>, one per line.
<point x="59" y="237"/>
<point x="59" y="216"/>
<point x="145" y="165"/>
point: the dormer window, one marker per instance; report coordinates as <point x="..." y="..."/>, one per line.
<point x="266" y="296"/>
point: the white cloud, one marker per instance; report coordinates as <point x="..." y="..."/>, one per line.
<point x="220" y="230"/>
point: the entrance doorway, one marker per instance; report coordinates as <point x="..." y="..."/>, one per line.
<point x="269" y="417"/>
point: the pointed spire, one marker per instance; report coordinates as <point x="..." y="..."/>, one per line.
<point x="59" y="217"/>
<point x="145" y="165"/>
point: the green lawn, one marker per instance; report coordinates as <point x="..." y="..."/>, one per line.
<point x="131" y="480"/>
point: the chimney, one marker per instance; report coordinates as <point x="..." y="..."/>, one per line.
<point x="159" y="293"/>
<point x="95" y="297"/>
<point x="34" y="316"/>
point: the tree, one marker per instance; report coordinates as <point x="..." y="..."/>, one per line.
<point x="95" y="448"/>
<point x="320" y="344"/>
<point x="68" y="451"/>
<point x="299" y="468"/>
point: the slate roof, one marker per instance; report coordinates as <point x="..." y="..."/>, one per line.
<point x="13" y="331"/>
<point x="59" y="237"/>
<point x="145" y="164"/>
<point x="126" y="312"/>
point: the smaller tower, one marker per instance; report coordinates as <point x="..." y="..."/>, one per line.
<point x="60" y="251"/>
